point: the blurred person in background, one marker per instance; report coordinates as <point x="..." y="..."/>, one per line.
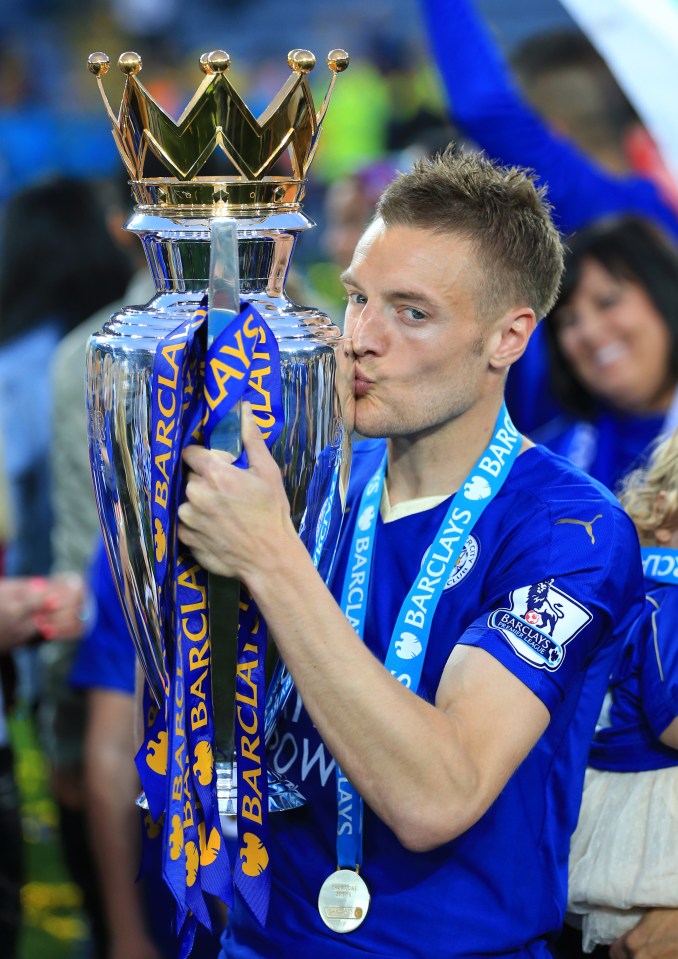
<point x="31" y="609"/>
<point x="137" y="912"/>
<point x="75" y="523"/>
<point x="613" y="346"/>
<point x="579" y="153"/>
<point x="103" y="669"/>
<point x="58" y="265"/>
<point x="100" y="729"/>
<point x="350" y="200"/>
<point x="579" y="145"/>
<point x="624" y="852"/>
<point x="348" y="206"/>
<point x="568" y="82"/>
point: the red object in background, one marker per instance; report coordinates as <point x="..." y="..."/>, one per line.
<point x="646" y="160"/>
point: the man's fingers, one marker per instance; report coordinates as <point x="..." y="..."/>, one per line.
<point x="200" y="459"/>
<point x="252" y="440"/>
<point x="195" y="457"/>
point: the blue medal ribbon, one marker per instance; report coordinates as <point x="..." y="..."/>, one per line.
<point x="193" y="390"/>
<point x="409" y="640"/>
<point x="660" y="564"/>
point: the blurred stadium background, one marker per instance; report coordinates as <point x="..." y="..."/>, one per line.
<point x="52" y="121"/>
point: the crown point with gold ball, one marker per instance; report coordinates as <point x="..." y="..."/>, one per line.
<point x="129" y="63"/>
<point x="337" y="60"/>
<point x="301" y="61"/>
<point x="217" y="119"/>
<point x="98" y="64"/>
<point x="218" y="61"/>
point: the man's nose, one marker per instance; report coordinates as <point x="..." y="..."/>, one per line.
<point x="366" y="330"/>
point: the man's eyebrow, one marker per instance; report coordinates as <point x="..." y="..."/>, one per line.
<point x="414" y="296"/>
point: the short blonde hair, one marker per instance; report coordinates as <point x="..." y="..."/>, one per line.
<point x="640" y="491"/>
<point x="500" y="210"/>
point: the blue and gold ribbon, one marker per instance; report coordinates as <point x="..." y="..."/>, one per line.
<point x="193" y="389"/>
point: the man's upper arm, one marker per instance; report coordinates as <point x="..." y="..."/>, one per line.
<point x="499" y="718"/>
<point x="549" y="628"/>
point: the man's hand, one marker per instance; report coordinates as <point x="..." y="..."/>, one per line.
<point x="232" y="517"/>
<point x="655" y="937"/>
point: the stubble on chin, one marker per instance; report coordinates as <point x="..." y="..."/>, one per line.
<point x="370" y="423"/>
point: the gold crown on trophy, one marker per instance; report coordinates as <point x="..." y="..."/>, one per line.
<point x="215" y="117"/>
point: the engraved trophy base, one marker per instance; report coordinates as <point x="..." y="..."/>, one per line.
<point x="282" y="794"/>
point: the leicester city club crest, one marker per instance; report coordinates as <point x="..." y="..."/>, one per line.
<point x="540" y="623"/>
<point x="465" y="563"/>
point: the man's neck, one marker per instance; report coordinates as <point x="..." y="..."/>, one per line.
<point x="436" y="463"/>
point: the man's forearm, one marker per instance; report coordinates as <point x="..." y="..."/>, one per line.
<point x="417" y="765"/>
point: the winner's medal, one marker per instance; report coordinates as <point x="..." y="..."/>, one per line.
<point x="343" y="900"/>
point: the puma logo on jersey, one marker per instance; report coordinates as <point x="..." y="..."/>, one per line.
<point x="587" y="524"/>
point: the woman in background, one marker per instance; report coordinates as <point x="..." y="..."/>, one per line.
<point x="613" y="347"/>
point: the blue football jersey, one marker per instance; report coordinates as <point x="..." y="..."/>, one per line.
<point x="643" y="697"/>
<point x="548" y="582"/>
<point x="608" y="447"/>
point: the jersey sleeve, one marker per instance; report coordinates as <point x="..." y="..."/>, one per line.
<point x="486" y="103"/>
<point x="105" y="658"/>
<point x="566" y="585"/>
<point x="659" y="662"/>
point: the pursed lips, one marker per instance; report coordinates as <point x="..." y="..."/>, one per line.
<point x="362" y="383"/>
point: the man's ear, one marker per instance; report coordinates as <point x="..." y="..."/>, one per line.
<point x="511" y="336"/>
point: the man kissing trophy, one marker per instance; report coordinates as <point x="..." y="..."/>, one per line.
<point x="177" y="371"/>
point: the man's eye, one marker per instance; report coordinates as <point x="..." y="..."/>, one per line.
<point x="358" y="298"/>
<point x="414" y="314"/>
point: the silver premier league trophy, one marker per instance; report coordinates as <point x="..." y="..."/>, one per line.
<point x="219" y="329"/>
